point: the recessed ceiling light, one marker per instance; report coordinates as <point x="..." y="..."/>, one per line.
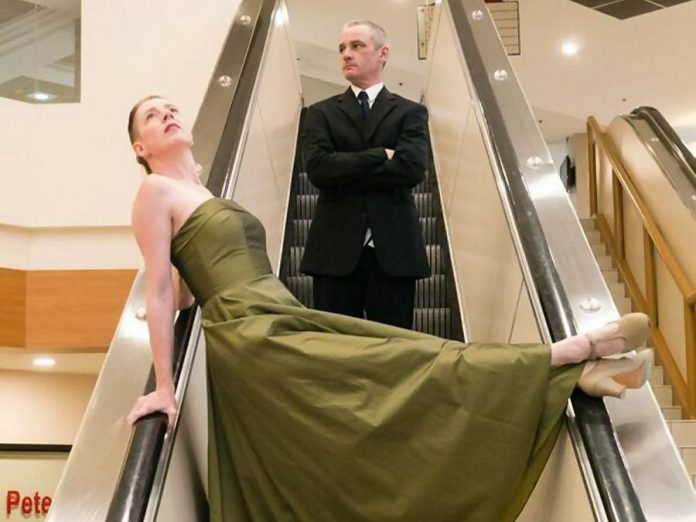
<point x="44" y="362"/>
<point x="570" y="48"/>
<point x="41" y="96"/>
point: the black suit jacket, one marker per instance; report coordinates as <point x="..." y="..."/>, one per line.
<point x="360" y="188"/>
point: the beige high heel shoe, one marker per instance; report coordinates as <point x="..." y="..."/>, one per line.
<point x="612" y="376"/>
<point x="634" y="328"/>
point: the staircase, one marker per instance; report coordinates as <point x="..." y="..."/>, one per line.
<point x="436" y="307"/>
<point x="683" y="431"/>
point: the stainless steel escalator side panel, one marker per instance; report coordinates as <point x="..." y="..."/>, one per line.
<point x="669" y="159"/>
<point x="647" y="446"/>
<point x="94" y="465"/>
<point x="87" y="484"/>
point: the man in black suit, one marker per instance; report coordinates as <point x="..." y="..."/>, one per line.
<point x="365" y="149"/>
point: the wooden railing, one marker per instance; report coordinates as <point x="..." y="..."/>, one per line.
<point x="622" y="184"/>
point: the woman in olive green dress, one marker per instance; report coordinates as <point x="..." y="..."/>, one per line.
<point x="318" y="417"/>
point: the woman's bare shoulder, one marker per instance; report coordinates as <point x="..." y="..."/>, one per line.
<point x="153" y="198"/>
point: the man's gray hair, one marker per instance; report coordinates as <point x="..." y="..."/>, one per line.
<point x="377" y="33"/>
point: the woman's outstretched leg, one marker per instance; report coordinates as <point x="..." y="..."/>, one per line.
<point x="608" y="376"/>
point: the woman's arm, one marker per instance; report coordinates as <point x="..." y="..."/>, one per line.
<point x="152" y="225"/>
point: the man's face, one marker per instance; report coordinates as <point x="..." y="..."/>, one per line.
<point x="361" y="60"/>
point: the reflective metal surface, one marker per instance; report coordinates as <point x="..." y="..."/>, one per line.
<point x="94" y="466"/>
<point x="642" y="433"/>
<point x="670" y="160"/>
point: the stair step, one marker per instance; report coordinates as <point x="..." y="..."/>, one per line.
<point x="605" y="263"/>
<point x="306" y="203"/>
<point x="657" y="377"/>
<point x="305" y="186"/>
<point x="588" y="224"/>
<point x="599" y="250"/>
<point x="424" y="204"/>
<point x="436" y="321"/>
<point x="617" y="291"/>
<point x="611" y="275"/>
<point x="683" y="431"/>
<point x="301" y="287"/>
<point x="671" y="412"/>
<point x="431" y="292"/>
<point x="663" y="394"/>
<point x="593" y="237"/>
<point x="688" y="453"/>
<point x="624" y="306"/>
<point x="300" y="230"/>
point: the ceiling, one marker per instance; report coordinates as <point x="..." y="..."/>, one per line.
<point x="39" y="50"/>
<point x="621" y="64"/>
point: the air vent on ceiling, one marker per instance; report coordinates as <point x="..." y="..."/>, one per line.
<point x="506" y="16"/>
<point x="623" y="9"/>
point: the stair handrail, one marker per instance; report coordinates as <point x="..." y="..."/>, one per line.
<point x="668" y="136"/>
<point x="220" y="129"/>
<point x="610" y="489"/>
<point x="621" y="175"/>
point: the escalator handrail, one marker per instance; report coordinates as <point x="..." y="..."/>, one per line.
<point x="618" y="495"/>
<point x="219" y="132"/>
<point x="678" y="149"/>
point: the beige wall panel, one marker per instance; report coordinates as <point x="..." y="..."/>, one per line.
<point x="15" y="160"/>
<point x="70" y="165"/>
<point x="448" y="100"/>
<point x="13" y="307"/>
<point x="675" y="221"/>
<point x="578" y="143"/>
<point x="42" y="408"/>
<point x="81" y="248"/>
<point x="256" y="187"/>
<point x="74" y="310"/>
<point x="264" y="176"/>
<point x="314" y="89"/>
<point x="670" y="315"/>
<point x="633" y="242"/>
<point x="525" y="328"/>
<point x="280" y="102"/>
<point x="560" y="492"/>
<point x="488" y="276"/>
<point x="82" y="152"/>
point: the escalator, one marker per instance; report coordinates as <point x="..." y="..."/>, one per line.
<point x="436" y="304"/>
<point x="520" y="265"/>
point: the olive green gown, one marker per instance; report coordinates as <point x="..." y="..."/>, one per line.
<point x="319" y="417"/>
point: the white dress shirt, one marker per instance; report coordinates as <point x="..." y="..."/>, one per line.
<point x="372" y="93"/>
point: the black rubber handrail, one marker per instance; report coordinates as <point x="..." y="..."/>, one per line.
<point x="219" y="133"/>
<point x="618" y="495"/>
<point x="665" y="132"/>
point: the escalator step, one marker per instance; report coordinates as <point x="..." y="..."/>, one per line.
<point x="301" y="288"/>
<point x="435" y="321"/>
<point x="431" y="292"/>
<point x="307" y="203"/>
<point x="305" y="186"/>
<point x="434" y="253"/>
<point x="300" y="231"/>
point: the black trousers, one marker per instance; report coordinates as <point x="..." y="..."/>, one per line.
<point x="367" y="292"/>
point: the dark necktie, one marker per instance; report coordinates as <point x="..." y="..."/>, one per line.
<point x="364" y="103"/>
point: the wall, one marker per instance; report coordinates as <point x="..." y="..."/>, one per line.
<point x="495" y="301"/>
<point x="41" y="407"/>
<point x="70" y="165"/>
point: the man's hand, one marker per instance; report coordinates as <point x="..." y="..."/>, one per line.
<point x="390" y="153"/>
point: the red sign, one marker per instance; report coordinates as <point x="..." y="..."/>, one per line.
<point x="27" y="505"/>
